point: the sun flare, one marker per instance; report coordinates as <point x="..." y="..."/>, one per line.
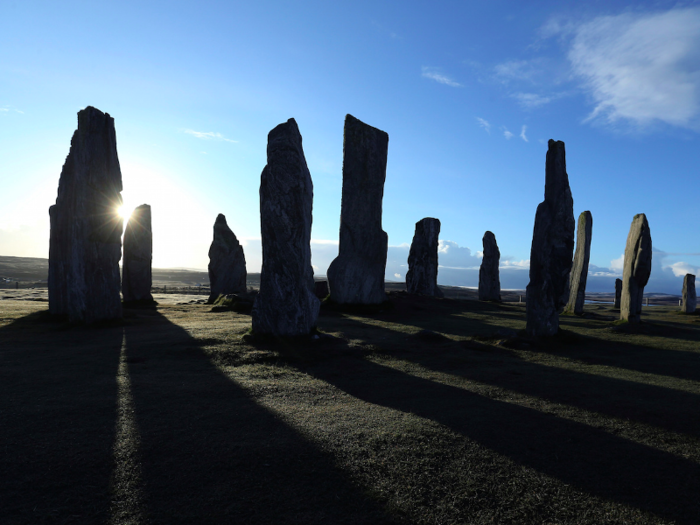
<point x="123" y="212"/>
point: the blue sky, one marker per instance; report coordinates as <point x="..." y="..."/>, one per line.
<point x="468" y="92"/>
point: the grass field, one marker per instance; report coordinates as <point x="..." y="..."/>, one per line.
<point x="436" y="411"/>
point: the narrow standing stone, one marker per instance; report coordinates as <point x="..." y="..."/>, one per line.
<point x="579" y="270"/>
<point x="421" y="277"/>
<point x="689" y="297"/>
<point x="636" y="270"/>
<point x="85" y="242"/>
<point x="356" y="276"/>
<point x="227" y="270"/>
<point x="489" y="280"/>
<point x="618" y="293"/>
<point x="552" y="247"/>
<point x="138" y="255"/>
<point x="286" y="304"/>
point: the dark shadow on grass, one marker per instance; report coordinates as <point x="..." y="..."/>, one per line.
<point x="211" y="454"/>
<point x="587" y="458"/>
<point x="58" y="399"/>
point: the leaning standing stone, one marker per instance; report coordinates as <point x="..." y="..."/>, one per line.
<point x="618" y="293"/>
<point x="552" y="247"/>
<point x="421" y="277"/>
<point x="86" y="231"/>
<point x="636" y="270"/>
<point x="286" y="304"/>
<point x="689" y="297"/>
<point x="138" y="255"/>
<point x="227" y="271"/>
<point x="356" y="276"/>
<point x="489" y="280"/>
<point x="579" y="270"/>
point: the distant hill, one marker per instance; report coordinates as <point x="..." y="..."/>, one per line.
<point x="36" y="270"/>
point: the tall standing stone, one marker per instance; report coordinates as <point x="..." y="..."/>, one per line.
<point x="227" y="271"/>
<point x="421" y="277"/>
<point x="85" y="242"/>
<point x="579" y="269"/>
<point x="356" y="276"/>
<point x="618" y="293"/>
<point x="286" y="304"/>
<point x="489" y="280"/>
<point x="552" y="247"/>
<point x="138" y="256"/>
<point x="689" y="297"/>
<point x="636" y="270"/>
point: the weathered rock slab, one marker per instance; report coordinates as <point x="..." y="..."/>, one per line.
<point x="356" y="276"/>
<point x="579" y="269"/>
<point x="689" y="302"/>
<point x="489" y="279"/>
<point x="552" y="247"/>
<point x="421" y="277"/>
<point x="286" y="304"/>
<point x="636" y="269"/>
<point x="618" y="293"/>
<point x="138" y="256"/>
<point x="227" y="269"/>
<point x="85" y="242"/>
<point x="321" y="289"/>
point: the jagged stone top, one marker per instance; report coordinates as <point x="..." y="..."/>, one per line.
<point x="284" y="137"/>
<point x="93" y="148"/>
<point x="223" y="234"/>
<point x="556" y="178"/>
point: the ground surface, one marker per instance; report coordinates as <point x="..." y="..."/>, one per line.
<point x="176" y="416"/>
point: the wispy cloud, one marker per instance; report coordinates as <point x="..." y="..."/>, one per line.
<point x="208" y="135"/>
<point x="519" y="70"/>
<point x="434" y="73"/>
<point x="641" y="67"/>
<point x="507" y="134"/>
<point x="10" y="109"/>
<point x="522" y="133"/>
<point x="484" y="124"/>
<point x="531" y="100"/>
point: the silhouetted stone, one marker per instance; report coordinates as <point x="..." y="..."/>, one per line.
<point x="489" y="280"/>
<point x="636" y="269"/>
<point x="689" y="297"/>
<point x="618" y="293"/>
<point x="227" y="270"/>
<point x="286" y="304"/>
<point x="138" y="255"/>
<point x="579" y="269"/>
<point x="85" y="244"/>
<point x="321" y="289"/>
<point x="356" y="276"/>
<point x="552" y="247"/>
<point x="421" y="277"/>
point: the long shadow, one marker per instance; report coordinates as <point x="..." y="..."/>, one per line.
<point x="667" y="408"/>
<point x="57" y="412"/>
<point x="210" y="454"/>
<point x="587" y="458"/>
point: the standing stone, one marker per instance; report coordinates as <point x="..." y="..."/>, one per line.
<point x="421" y="277"/>
<point x="618" y="293"/>
<point x="552" y="247"/>
<point x="689" y="297"/>
<point x="636" y="270"/>
<point x="138" y="255"/>
<point x="227" y="270"/>
<point x="85" y="241"/>
<point x="286" y="304"/>
<point x="356" y="276"/>
<point x="489" y="280"/>
<point x="579" y="270"/>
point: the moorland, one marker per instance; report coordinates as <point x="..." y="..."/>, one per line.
<point x="429" y="411"/>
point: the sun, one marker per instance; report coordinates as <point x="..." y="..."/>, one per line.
<point x="123" y="212"/>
